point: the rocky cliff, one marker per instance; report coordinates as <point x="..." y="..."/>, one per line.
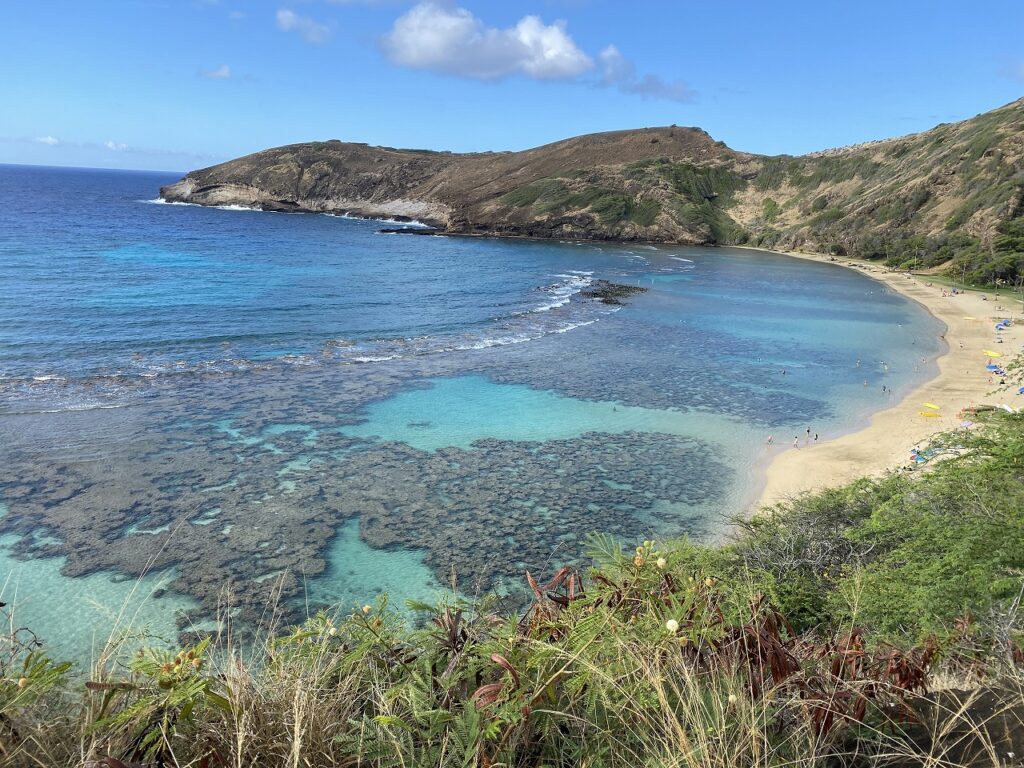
<point x="943" y="196"/>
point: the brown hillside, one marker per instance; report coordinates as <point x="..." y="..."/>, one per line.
<point x="948" y="193"/>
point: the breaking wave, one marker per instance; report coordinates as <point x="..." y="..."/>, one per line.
<point x="560" y="309"/>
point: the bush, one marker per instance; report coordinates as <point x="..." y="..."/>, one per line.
<point x="651" y="662"/>
<point x="770" y="210"/>
<point x="808" y="640"/>
<point x="906" y="556"/>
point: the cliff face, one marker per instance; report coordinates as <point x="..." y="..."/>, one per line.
<point x="581" y="187"/>
<point x="957" y="183"/>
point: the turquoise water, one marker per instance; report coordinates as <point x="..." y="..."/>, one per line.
<point x="263" y="407"/>
<point x="359" y="575"/>
<point x="101" y="608"/>
<point x="456" y="412"/>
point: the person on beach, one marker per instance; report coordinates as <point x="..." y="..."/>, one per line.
<point x="771" y="439"/>
<point x="815" y="437"/>
<point x="796" y="441"/>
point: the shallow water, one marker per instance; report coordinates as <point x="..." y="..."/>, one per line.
<point x="359" y="574"/>
<point x="458" y="411"/>
<point x="255" y="402"/>
<point x="101" y="607"/>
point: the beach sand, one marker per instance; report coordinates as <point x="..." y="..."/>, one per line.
<point x="962" y="382"/>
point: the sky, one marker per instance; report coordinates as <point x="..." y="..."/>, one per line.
<point x="181" y="84"/>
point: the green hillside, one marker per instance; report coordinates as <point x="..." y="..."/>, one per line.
<point x="949" y="199"/>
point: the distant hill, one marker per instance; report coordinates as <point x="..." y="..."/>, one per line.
<point x="951" y="197"/>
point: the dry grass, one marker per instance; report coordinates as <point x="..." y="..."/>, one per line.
<point x="592" y="679"/>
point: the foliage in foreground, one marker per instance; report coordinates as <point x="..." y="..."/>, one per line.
<point x="649" y="667"/>
<point x="811" y="639"/>
<point x="908" y="556"/>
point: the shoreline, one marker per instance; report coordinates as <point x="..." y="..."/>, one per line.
<point x="885" y="442"/>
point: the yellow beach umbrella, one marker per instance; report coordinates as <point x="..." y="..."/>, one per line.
<point x="969" y="318"/>
<point x="930" y="414"/>
<point x="990" y="353"/>
<point x="930" y="405"/>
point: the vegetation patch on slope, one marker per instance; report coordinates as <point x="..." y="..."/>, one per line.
<point x="810" y="639"/>
<point x="938" y="199"/>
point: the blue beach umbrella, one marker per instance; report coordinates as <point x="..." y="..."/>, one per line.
<point x="1020" y="391"/>
<point x="992" y="367"/>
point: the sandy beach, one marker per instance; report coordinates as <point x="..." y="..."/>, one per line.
<point x="962" y="382"/>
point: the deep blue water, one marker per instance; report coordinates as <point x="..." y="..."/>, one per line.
<point x="98" y="281"/>
<point x="244" y="400"/>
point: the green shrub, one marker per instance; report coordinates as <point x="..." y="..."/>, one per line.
<point x="546" y="190"/>
<point x="827" y="216"/>
<point x="795" y="643"/>
<point x="907" y="555"/>
<point x="770" y="210"/>
<point x="615" y="207"/>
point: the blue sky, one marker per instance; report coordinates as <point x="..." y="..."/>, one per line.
<point x="178" y="84"/>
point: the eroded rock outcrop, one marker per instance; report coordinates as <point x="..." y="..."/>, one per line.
<point x="957" y="186"/>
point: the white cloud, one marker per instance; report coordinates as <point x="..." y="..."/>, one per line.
<point x="444" y="38"/>
<point x="452" y="40"/>
<point x="223" y="72"/>
<point x="619" y="72"/>
<point x="114" y="146"/>
<point x="310" y="30"/>
<point x="49" y="141"/>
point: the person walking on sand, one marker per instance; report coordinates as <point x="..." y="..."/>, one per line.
<point x="796" y="441"/>
<point x="771" y="439"/>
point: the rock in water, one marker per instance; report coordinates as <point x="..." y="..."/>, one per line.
<point x="610" y="293"/>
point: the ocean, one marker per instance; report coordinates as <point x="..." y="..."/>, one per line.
<point x="224" y="407"/>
